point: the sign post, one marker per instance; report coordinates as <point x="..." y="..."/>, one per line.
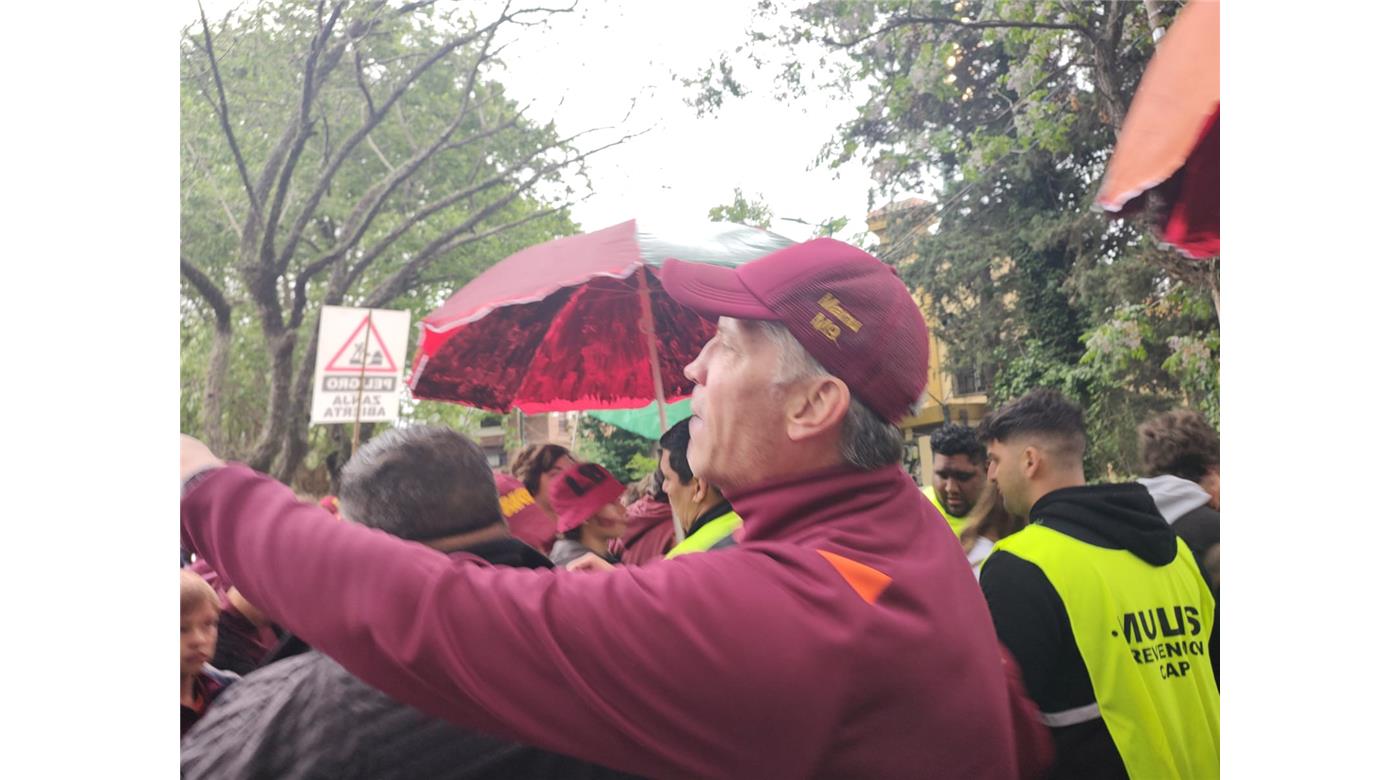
<point x="359" y="366"/>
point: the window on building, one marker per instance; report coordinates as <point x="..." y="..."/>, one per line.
<point x="969" y="381"/>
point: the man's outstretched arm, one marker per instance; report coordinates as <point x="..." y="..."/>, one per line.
<point x="581" y="664"/>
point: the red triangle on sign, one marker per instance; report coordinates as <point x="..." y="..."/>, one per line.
<point x="380" y="361"/>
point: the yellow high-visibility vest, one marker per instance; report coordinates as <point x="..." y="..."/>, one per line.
<point x="709" y="535"/>
<point x="1144" y="632"/>
<point x="954" y="522"/>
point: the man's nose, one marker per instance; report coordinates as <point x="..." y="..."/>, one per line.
<point x="694" y="370"/>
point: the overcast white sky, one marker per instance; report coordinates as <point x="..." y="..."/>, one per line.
<point x="597" y="59"/>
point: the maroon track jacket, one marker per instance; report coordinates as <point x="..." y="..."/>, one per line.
<point x="844" y="637"/>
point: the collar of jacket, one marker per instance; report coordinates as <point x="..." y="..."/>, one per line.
<point x="791" y="505"/>
<point x="718" y="510"/>
<point x="460" y="542"/>
<point x="1120" y="516"/>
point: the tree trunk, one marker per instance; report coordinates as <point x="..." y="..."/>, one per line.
<point x="295" y="444"/>
<point x="339" y="454"/>
<point x="213" y="411"/>
<point x="280" y="349"/>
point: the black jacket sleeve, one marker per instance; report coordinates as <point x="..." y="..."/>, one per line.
<point x="1031" y="621"/>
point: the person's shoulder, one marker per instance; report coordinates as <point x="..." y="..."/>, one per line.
<point x="220" y="677"/>
<point x="1200" y="517"/>
<point x="1004" y="572"/>
<point x="981" y="548"/>
<point x="1199" y="528"/>
<point x="288" y="711"/>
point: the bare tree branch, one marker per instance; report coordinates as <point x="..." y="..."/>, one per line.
<point x="199" y="161"/>
<point x="343" y="152"/>
<point x="254" y="203"/>
<point x="444" y="242"/>
<point x="374" y="147"/>
<point x="336" y="252"/>
<point x="403" y="279"/>
<point x="209" y="291"/>
<point x="211" y="410"/>
<point x="372" y="202"/>
<point x="408" y="8"/>
<point x="360" y="80"/>
<point x="456" y="197"/>
<point x="314" y="76"/>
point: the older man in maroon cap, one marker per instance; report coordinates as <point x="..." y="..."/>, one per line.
<point x="844" y="636"/>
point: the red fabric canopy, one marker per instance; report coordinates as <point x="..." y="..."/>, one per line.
<point x="557" y="327"/>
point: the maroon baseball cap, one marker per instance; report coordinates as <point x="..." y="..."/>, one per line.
<point x="850" y="311"/>
<point x="580" y="492"/>
<point x="527" y="520"/>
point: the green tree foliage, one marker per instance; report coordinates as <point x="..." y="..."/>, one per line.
<point x="354" y="153"/>
<point x="1007" y="111"/>
<point x="743" y="211"/>
<point x="628" y="456"/>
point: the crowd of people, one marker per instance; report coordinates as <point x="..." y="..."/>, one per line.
<point x="779" y="599"/>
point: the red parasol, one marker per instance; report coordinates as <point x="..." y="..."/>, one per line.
<point x="1170" y="141"/>
<point x="568" y="324"/>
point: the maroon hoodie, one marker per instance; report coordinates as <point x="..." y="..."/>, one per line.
<point x="845" y="636"/>
<point x="651" y="532"/>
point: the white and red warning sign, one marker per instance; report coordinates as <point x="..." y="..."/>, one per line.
<point x="359" y="364"/>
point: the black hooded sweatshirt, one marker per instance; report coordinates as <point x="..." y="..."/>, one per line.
<point x="1031" y="620"/>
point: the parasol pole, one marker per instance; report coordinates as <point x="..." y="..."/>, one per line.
<point x="360" y="390"/>
<point x="648" y="324"/>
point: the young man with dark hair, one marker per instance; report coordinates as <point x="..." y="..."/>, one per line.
<point x="959" y="473"/>
<point x="1101" y="604"/>
<point x="843" y="636"/>
<point x="700" y="509"/>
<point x="310" y="716"/>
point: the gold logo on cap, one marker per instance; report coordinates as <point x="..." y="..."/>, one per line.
<point x="825" y="326"/>
<point x="832" y="304"/>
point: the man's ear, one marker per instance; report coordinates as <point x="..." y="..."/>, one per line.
<point x="1032" y="461"/>
<point x="817" y="407"/>
<point x="699" y="491"/>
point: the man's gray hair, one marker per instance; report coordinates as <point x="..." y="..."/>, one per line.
<point x="420" y="483"/>
<point x="867" y="441"/>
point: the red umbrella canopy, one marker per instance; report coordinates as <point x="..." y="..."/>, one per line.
<point x="1170" y="141"/>
<point x="558" y="326"/>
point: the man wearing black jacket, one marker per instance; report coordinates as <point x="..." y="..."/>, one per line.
<point x="1105" y="611"/>
<point x="696" y="504"/>
<point x="306" y="716"/>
